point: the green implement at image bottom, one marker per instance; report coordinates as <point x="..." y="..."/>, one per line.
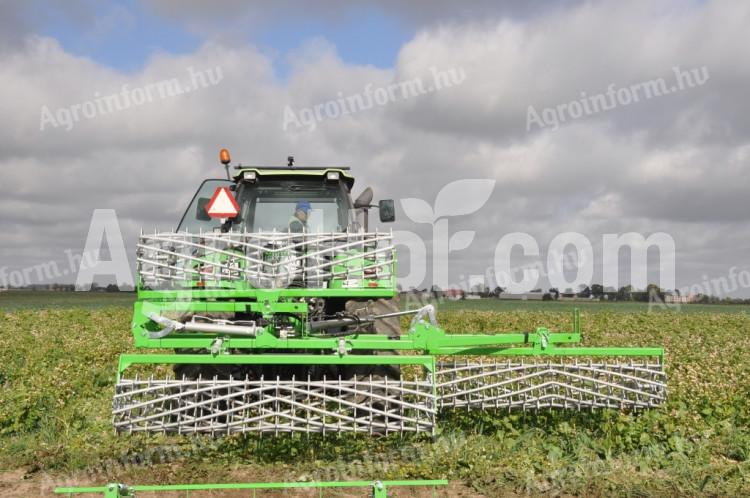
<point x="379" y="489"/>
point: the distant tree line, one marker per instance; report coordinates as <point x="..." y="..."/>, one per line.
<point x="95" y="287"/>
<point x="652" y="293"/>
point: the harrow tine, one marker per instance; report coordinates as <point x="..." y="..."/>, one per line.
<point x="551" y="384"/>
<point x="381" y="406"/>
<point x="277" y="406"/>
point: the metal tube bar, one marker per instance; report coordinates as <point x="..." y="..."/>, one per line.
<point x="254" y="486"/>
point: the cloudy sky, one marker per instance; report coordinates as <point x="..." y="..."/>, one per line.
<point x="677" y="161"/>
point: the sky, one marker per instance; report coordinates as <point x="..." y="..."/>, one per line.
<point x="557" y="106"/>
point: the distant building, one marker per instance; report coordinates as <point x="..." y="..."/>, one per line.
<point x="453" y="293"/>
<point x="526" y="296"/>
<point x="675" y="299"/>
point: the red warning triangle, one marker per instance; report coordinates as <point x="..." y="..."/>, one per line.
<point x="222" y="204"/>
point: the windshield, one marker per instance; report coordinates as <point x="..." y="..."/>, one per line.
<point x="196" y="218"/>
<point x="271" y="204"/>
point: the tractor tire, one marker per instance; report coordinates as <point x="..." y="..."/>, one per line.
<point x="387" y="326"/>
<point x="207" y="372"/>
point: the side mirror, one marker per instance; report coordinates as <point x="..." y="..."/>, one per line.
<point x="200" y="209"/>
<point x="387" y="211"/>
<point x="364" y="199"/>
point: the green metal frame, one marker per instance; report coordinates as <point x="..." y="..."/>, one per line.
<point x="424" y="340"/>
<point x="379" y="488"/>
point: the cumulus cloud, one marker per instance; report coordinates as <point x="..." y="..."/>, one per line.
<point x="675" y="163"/>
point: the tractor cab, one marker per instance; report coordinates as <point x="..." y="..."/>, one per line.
<point x="269" y="197"/>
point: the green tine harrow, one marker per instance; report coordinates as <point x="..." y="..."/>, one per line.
<point x="538" y="370"/>
<point x="272" y="325"/>
<point x="378" y="489"/>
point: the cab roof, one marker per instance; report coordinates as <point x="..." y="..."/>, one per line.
<point x="307" y="171"/>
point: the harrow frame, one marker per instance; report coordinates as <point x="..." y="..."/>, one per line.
<point x="306" y="405"/>
<point x="423" y="336"/>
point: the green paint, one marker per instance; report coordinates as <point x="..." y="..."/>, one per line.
<point x="422" y="338"/>
<point x="379" y="488"/>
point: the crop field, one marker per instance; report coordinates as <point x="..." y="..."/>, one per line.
<point x="57" y="371"/>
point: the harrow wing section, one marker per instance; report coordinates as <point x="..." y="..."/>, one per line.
<point x="381" y="405"/>
<point x="369" y="404"/>
<point x="372" y="406"/>
<point x="535" y="385"/>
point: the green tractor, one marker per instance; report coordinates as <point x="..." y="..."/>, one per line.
<point x="274" y="305"/>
